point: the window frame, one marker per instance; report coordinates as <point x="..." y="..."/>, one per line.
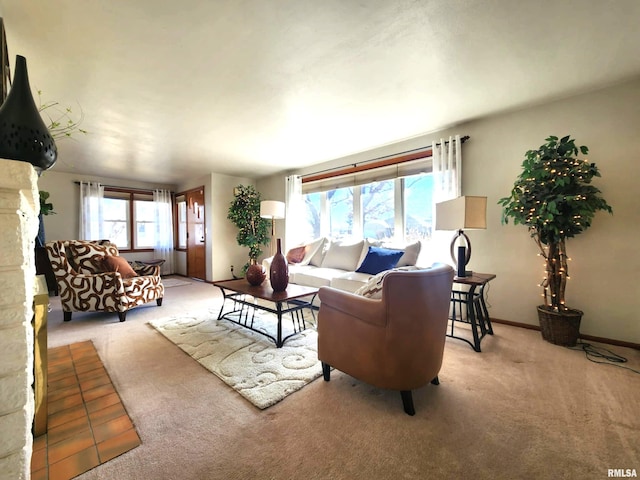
<point x="131" y="196"/>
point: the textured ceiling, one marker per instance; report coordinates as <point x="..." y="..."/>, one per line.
<point x="173" y="90"/>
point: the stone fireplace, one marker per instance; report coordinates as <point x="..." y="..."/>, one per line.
<point x="19" y="208"/>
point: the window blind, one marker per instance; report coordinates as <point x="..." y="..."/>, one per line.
<point x="377" y="174"/>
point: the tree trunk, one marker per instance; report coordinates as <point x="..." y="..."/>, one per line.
<point x="557" y="272"/>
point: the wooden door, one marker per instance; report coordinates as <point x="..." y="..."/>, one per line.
<point x="196" y="237"/>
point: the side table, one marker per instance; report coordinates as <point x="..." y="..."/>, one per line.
<point x="472" y="303"/>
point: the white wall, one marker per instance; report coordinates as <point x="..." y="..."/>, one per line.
<point x="222" y="250"/>
<point x="605" y="262"/>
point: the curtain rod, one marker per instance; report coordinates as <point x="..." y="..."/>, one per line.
<point x="147" y="190"/>
<point x="319" y="172"/>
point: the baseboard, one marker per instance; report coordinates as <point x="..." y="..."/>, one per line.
<point x="592" y="338"/>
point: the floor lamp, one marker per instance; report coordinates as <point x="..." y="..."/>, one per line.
<point x="273" y="210"/>
<point x="462" y="213"/>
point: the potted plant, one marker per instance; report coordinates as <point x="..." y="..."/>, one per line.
<point x="554" y="198"/>
<point x="253" y="230"/>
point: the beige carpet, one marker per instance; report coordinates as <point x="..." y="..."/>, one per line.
<point x="175" y="282"/>
<point x="248" y="362"/>
<point x="521" y="409"/>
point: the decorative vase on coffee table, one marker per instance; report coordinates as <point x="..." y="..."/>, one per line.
<point x="279" y="271"/>
<point x="256" y="273"/>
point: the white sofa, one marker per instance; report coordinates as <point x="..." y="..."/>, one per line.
<point x="336" y="264"/>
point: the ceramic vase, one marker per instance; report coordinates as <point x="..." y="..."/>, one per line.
<point x="23" y="134"/>
<point x="279" y="271"/>
<point x="256" y="273"/>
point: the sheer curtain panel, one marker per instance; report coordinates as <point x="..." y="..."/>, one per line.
<point x="164" y="229"/>
<point x="447" y="184"/>
<point x="447" y="169"/>
<point x="91" y="216"/>
<point x="294" y="212"/>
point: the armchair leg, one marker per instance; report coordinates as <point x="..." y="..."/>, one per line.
<point x="407" y="402"/>
<point x="67" y="316"/>
<point x="326" y="371"/>
<point x="122" y="316"/>
<point x="159" y="301"/>
<point x="435" y="381"/>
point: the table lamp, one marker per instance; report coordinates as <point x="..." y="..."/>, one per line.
<point x="273" y="210"/>
<point x="462" y="213"/>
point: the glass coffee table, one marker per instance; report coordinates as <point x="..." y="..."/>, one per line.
<point x="243" y="297"/>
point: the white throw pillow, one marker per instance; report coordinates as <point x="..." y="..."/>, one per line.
<point x="311" y="249"/>
<point x="410" y="256"/>
<point x="344" y="257"/>
<point x="373" y="288"/>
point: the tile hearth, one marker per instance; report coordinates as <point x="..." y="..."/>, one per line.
<point x="87" y="423"/>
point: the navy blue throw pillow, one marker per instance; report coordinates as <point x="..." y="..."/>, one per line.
<point x="379" y="259"/>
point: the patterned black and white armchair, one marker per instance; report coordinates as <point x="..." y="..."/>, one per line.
<point x="91" y="276"/>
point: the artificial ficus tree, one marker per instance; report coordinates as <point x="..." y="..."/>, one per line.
<point x="244" y="212"/>
<point x="554" y="198"/>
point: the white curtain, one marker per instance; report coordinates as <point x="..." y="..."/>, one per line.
<point x="294" y="212"/>
<point x="91" y="217"/>
<point x="163" y="248"/>
<point x="447" y="185"/>
<point x="447" y="169"/>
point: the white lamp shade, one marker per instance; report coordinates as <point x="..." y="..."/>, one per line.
<point x="272" y="209"/>
<point x="462" y="213"/>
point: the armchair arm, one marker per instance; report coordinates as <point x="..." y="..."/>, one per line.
<point x="144" y="270"/>
<point x="367" y="310"/>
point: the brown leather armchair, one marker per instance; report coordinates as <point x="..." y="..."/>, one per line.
<point x="395" y="342"/>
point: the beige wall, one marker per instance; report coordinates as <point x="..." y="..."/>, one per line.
<point x="605" y="262"/>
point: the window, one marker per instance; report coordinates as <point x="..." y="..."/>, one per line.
<point x="129" y="219"/>
<point x="340" y="213"/>
<point x="398" y="209"/>
<point x="312" y="204"/>
<point x="378" y="218"/>
<point x="116" y="221"/>
<point x="418" y="201"/>
<point x="181" y="205"/>
<point x="145" y="222"/>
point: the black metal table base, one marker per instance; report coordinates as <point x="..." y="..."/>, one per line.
<point x="477" y="315"/>
<point x="247" y="311"/>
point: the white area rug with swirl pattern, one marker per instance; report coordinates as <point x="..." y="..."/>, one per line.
<point x="247" y="361"/>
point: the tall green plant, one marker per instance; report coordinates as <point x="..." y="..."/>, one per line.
<point x="244" y="212"/>
<point x="554" y="198"/>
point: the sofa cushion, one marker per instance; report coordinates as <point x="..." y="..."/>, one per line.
<point x="350" y="281"/>
<point x="343" y="257"/>
<point x="295" y="269"/>
<point x="112" y="263"/>
<point x="317" y="276"/>
<point x="411" y="253"/>
<point x="379" y="259"/>
<point x="373" y="288"/>
<point x="314" y="252"/>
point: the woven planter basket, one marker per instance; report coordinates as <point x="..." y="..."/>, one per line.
<point x="560" y="328"/>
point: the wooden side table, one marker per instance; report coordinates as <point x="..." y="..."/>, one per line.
<point x="471" y="302"/>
